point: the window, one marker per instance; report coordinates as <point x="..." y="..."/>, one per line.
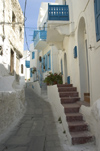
<point x="12" y="62"/>
<point x="75" y="52"/>
<point x="27" y="64"/>
<point x="44" y="63"/>
<point x="1" y="50"/>
<point x="20" y="32"/>
<point x="31" y="72"/>
<point x="33" y="55"/>
<point x="22" y="68"/>
<point x="97" y="18"/>
<point x="13" y="20"/>
<point x="49" y="60"/>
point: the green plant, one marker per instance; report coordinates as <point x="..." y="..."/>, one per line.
<point x="60" y="120"/>
<point x="53" y="78"/>
<point x="64" y="131"/>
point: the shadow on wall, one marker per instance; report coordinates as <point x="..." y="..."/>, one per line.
<point x="9" y="80"/>
<point x="12" y="100"/>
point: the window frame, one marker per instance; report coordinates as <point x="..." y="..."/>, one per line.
<point x="33" y="55"/>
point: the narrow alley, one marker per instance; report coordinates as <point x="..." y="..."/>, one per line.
<point x="40" y="130"/>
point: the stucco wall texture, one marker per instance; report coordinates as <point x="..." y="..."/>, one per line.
<point x="12" y="107"/>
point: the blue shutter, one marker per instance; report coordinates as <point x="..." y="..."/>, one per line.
<point x="61" y="67"/>
<point x="75" y="52"/>
<point x="97" y="18"/>
<point x="68" y="79"/>
<point x="27" y="64"/>
<point x="33" y="55"/>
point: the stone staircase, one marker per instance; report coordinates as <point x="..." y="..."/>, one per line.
<point x="78" y="128"/>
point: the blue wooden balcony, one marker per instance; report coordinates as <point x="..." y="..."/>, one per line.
<point x="58" y="12"/>
<point x="39" y="38"/>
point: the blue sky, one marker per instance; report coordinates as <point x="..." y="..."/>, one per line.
<point x="32" y="12"/>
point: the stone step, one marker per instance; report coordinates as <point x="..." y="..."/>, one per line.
<point x="70" y="117"/>
<point x="69" y="100"/>
<point x="66" y="89"/>
<point x="70" y="108"/>
<point x="64" y="85"/>
<point x="68" y="94"/>
<point x="81" y="137"/>
<point x="77" y="126"/>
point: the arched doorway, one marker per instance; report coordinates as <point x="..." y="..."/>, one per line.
<point x="83" y="59"/>
<point x="65" y="68"/>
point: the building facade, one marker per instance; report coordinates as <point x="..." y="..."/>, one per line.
<point x="12" y="98"/>
<point x="11" y="37"/>
<point x="71" y="30"/>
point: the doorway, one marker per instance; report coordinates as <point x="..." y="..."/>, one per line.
<point x="83" y="59"/>
<point x="12" y="62"/>
<point x="65" y="68"/>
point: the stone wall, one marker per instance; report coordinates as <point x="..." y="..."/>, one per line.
<point x="12" y="108"/>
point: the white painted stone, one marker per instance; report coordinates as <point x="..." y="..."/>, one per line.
<point x="53" y="96"/>
<point x="92" y="117"/>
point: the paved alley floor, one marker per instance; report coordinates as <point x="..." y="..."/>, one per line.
<point x="39" y="130"/>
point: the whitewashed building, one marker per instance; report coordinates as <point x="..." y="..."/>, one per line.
<point x="26" y="62"/>
<point x="33" y="63"/>
<point x="71" y="30"/>
<point x="11" y="50"/>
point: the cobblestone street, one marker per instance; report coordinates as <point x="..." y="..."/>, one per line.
<point x="39" y="130"/>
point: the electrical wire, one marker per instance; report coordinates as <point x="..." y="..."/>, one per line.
<point x="24" y="25"/>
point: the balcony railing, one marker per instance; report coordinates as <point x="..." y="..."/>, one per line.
<point x="58" y="12"/>
<point x="39" y="35"/>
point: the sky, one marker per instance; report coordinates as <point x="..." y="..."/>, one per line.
<point x="31" y="13"/>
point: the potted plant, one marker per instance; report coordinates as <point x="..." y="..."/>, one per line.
<point x="53" y="78"/>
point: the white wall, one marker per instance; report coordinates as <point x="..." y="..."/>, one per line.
<point x="33" y="62"/>
<point x="54" y="59"/>
<point x="53" y="96"/>
<point x="84" y="10"/>
<point x="12" y="108"/>
<point x="92" y="117"/>
<point x="26" y="56"/>
<point x="36" y="88"/>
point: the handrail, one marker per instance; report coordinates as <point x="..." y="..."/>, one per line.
<point x="58" y="12"/>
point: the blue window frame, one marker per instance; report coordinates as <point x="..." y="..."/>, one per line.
<point x="97" y="18"/>
<point x="30" y="72"/>
<point x="75" y="52"/>
<point x="27" y="64"/>
<point x="49" y="60"/>
<point x="33" y="55"/>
